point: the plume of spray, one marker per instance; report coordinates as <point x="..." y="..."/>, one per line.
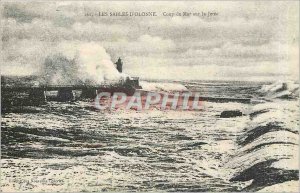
<point x="78" y="63"/>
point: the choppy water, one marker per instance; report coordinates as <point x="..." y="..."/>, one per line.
<point x="71" y="147"/>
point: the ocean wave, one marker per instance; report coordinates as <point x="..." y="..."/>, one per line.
<point x="288" y="186"/>
<point x="268" y="148"/>
<point x="280" y="89"/>
<point x="167" y="87"/>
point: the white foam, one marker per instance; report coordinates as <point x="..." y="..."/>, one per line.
<point x="289" y="186"/>
<point x="73" y="62"/>
<point x="153" y="86"/>
<point x="281" y="89"/>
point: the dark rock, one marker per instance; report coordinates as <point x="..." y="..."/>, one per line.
<point x="233" y="113"/>
<point x="65" y="94"/>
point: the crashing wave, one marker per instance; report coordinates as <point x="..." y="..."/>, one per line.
<point x="268" y="148"/>
<point x="165" y="87"/>
<point x="280" y="89"/>
<point x="289" y="186"/>
<point x="78" y="63"/>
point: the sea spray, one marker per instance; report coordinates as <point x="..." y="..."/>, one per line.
<point x="78" y="63"/>
<point x="162" y="86"/>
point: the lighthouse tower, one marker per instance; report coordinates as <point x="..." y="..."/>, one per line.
<point x="119" y="64"/>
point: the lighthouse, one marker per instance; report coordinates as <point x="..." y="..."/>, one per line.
<point x="119" y="64"/>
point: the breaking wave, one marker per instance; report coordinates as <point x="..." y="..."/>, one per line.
<point x="78" y="63"/>
<point x="166" y="87"/>
<point x="284" y="90"/>
<point x="267" y="156"/>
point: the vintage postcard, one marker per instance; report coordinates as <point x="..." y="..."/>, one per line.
<point x="150" y="96"/>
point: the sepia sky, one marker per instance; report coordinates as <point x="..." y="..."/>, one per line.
<point x="245" y="41"/>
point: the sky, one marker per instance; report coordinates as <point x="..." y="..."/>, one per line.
<point x="244" y="41"/>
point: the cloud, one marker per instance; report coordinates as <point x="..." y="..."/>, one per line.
<point x="273" y="51"/>
<point x="25" y="54"/>
<point x="18" y="14"/>
<point x="144" y="45"/>
<point x="251" y="39"/>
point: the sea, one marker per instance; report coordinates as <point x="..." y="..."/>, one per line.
<point x="73" y="147"/>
